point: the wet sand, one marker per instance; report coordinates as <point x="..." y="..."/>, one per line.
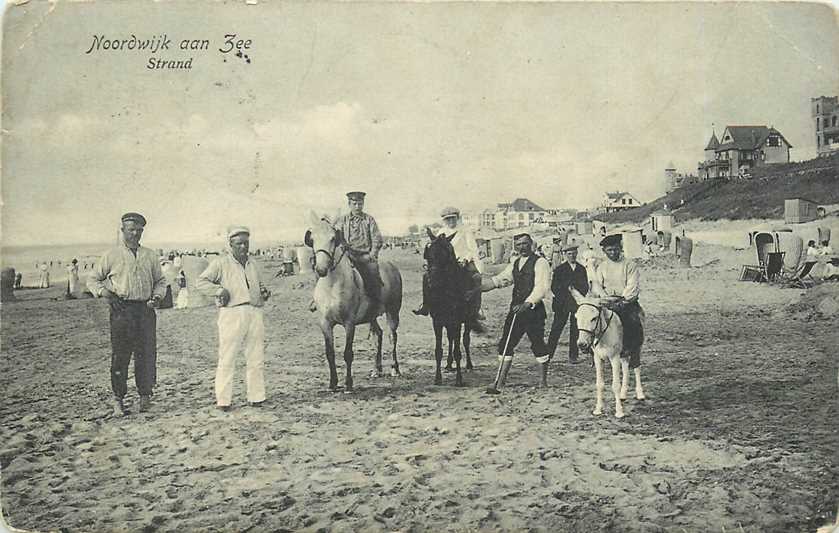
<point x="738" y="432"/>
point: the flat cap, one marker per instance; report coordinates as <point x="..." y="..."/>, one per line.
<point x="134" y="217"/>
<point x="449" y="212"/>
<point x="232" y="231"/>
<point x="521" y="236"/>
<point x="569" y="247"/>
<point x="356" y="195"/>
<point x="614" y="239"/>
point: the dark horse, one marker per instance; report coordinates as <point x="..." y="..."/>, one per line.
<point x="447" y="283"/>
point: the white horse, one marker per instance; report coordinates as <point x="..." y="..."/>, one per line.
<point x="602" y="331"/>
<point x="341" y="300"/>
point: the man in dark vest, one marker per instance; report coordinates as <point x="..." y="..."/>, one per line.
<point x="530" y="276"/>
<point x="567" y="274"/>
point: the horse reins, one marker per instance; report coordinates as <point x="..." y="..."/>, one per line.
<point x="595" y="337"/>
<point x="332" y="263"/>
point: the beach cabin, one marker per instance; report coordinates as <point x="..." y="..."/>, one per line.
<point x="798" y="210"/>
<point x="584" y="227"/>
<point x="661" y="221"/>
<point x="633" y="244"/>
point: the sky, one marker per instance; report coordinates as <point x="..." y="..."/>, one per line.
<point x="422" y="105"/>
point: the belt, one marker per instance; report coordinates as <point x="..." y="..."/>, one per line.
<point x="134" y="302"/>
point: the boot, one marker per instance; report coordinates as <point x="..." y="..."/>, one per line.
<point x="119" y="408"/>
<point x="145" y="403"/>
<point x="506" y="363"/>
<point x="543" y="383"/>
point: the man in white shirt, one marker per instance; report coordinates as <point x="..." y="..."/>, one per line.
<point x="530" y="276"/>
<point x="826" y="248"/>
<point x="466" y="250"/>
<point x="617" y="280"/>
<point x="235" y="283"/>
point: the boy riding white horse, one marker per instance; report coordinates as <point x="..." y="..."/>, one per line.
<point x="615" y="286"/>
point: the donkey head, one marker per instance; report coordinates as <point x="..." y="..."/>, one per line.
<point x="588" y="318"/>
<point x="440" y="253"/>
<point x="325" y="239"/>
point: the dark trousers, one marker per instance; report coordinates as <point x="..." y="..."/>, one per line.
<point x="633" y="332"/>
<point x="133" y="332"/>
<point x="369" y="270"/>
<point x="563" y="315"/>
<point x="530" y="322"/>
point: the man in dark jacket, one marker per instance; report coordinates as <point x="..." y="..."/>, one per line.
<point x="568" y="274"/>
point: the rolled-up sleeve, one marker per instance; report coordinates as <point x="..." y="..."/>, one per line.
<point x="596" y="282"/>
<point x="633" y="281"/>
<point x="541" y="283"/>
<point x="209" y="281"/>
<point x="159" y="288"/>
<point x="96" y="279"/>
<point x="504" y="278"/>
<point x="376" y="240"/>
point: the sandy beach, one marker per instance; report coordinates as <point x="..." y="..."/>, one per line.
<point x="738" y="432"/>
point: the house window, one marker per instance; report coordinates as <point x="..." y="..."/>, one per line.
<point x="833" y="121"/>
<point x="817" y="109"/>
<point x="630" y="201"/>
<point x="818" y="124"/>
<point x="623" y="201"/>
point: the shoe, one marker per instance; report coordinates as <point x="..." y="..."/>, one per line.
<point x="573" y="360"/>
<point x="119" y="408"/>
<point x="257" y="404"/>
<point x="224" y="408"/>
<point x="145" y="403"/>
<point x="421" y="310"/>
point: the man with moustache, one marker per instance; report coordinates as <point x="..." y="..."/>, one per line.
<point x="530" y="275"/>
<point x="129" y="278"/>
<point x="234" y="281"/>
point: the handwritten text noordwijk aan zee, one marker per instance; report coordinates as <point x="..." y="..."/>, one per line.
<point x="231" y="44"/>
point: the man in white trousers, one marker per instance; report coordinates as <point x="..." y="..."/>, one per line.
<point x="234" y="282"/>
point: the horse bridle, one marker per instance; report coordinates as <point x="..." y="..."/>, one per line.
<point x="331" y="255"/>
<point x="594" y="336"/>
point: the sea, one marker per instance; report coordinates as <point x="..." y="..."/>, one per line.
<point x="27" y="259"/>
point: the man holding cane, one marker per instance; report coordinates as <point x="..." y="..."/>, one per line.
<point x="530" y="276"/>
<point x="130" y="279"/>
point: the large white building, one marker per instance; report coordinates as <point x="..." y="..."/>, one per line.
<point x="619" y="201"/>
<point x="519" y="213"/>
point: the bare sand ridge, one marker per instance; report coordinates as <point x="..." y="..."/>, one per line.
<point x="738" y="433"/>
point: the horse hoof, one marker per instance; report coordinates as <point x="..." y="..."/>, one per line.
<point x="641" y="398"/>
<point x="375" y="373"/>
<point x="395" y="373"/>
<point x="448" y="370"/>
<point x="438" y="381"/>
<point x="492" y="390"/>
<point x="597" y="412"/>
<point x="619" y="415"/>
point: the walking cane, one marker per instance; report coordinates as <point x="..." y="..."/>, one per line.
<point x="504" y="353"/>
